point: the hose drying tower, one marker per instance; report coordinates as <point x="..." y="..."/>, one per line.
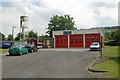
<point x="24" y="27"/>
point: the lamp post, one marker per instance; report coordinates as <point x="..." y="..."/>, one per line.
<point x="102" y="44"/>
<point x="13" y="32"/>
<point x="100" y="55"/>
<point x="102" y="41"/>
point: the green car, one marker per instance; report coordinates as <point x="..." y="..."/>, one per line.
<point x="18" y="50"/>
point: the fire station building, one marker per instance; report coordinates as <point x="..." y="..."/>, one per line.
<point x="77" y="38"/>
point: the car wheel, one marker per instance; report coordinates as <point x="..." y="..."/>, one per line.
<point x="10" y="54"/>
<point x="27" y="52"/>
<point x="90" y="49"/>
<point x="36" y="50"/>
<point x="31" y="51"/>
<point x="20" y="53"/>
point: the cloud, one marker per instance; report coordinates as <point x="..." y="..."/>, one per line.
<point x="106" y="13"/>
<point x="103" y="4"/>
<point x="38" y="17"/>
<point x="85" y="13"/>
<point x="79" y="10"/>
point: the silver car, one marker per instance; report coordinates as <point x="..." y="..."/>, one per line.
<point x="95" y="46"/>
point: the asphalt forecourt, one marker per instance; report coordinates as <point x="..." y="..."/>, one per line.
<point x="50" y="63"/>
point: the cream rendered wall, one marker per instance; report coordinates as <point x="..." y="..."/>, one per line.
<point x="81" y="31"/>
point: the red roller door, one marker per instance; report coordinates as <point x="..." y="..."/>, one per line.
<point x="61" y="41"/>
<point x="89" y="38"/>
<point x="76" y="40"/>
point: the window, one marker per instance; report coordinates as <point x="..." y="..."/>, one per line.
<point x="88" y="37"/>
<point x="66" y="32"/>
<point x="71" y="40"/>
<point x="96" y="38"/>
<point x="65" y="40"/>
<point x="80" y="39"/>
<point x="61" y="40"/>
<point x="76" y="39"/>
<point x="87" y="41"/>
<point x="92" y="38"/>
<point x="48" y="42"/>
<point x="57" y="40"/>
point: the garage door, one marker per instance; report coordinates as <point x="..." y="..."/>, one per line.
<point x="76" y="40"/>
<point x="89" y="38"/>
<point x="61" y="41"/>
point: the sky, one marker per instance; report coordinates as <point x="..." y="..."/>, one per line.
<point x="86" y="13"/>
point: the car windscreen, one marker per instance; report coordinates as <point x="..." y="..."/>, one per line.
<point x="15" y="46"/>
<point x="20" y="43"/>
<point x="39" y="44"/>
<point x="29" y="45"/>
<point x="94" y="44"/>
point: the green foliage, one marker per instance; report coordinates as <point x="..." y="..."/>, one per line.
<point x="60" y="23"/>
<point x="19" y="35"/>
<point x="117" y="36"/>
<point x="111" y="43"/>
<point x="10" y="37"/>
<point x="113" y="35"/>
<point x="32" y="34"/>
<point x="107" y="36"/>
<point x="2" y="36"/>
<point x="110" y="35"/>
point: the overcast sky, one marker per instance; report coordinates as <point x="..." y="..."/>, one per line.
<point x="86" y="13"/>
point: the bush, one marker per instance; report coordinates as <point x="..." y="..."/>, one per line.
<point x="111" y="43"/>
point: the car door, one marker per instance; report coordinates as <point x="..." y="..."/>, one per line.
<point x="23" y="49"/>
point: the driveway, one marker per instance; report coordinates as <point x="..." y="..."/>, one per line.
<point x="50" y="63"/>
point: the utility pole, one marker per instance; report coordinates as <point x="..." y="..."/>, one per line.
<point x="13" y="32"/>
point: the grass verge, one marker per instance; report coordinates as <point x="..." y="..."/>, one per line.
<point x="111" y="65"/>
<point x="3" y="51"/>
<point x="111" y="51"/>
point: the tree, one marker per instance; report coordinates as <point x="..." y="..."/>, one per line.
<point x="19" y="35"/>
<point x="107" y="36"/>
<point x="2" y="36"/>
<point x="10" y="37"/>
<point x="60" y="23"/>
<point x="117" y="36"/>
<point x="32" y="34"/>
<point x="113" y="35"/>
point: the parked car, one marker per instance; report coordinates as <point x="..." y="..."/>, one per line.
<point x="31" y="48"/>
<point x="20" y="43"/>
<point x="18" y="50"/>
<point x="5" y="44"/>
<point x="95" y="46"/>
<point x="39" y="46"/>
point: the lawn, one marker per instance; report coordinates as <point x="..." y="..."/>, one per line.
<point x="111" y="51"/>
<point x="3" y="51"/>
<point x="110" y="65"/>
